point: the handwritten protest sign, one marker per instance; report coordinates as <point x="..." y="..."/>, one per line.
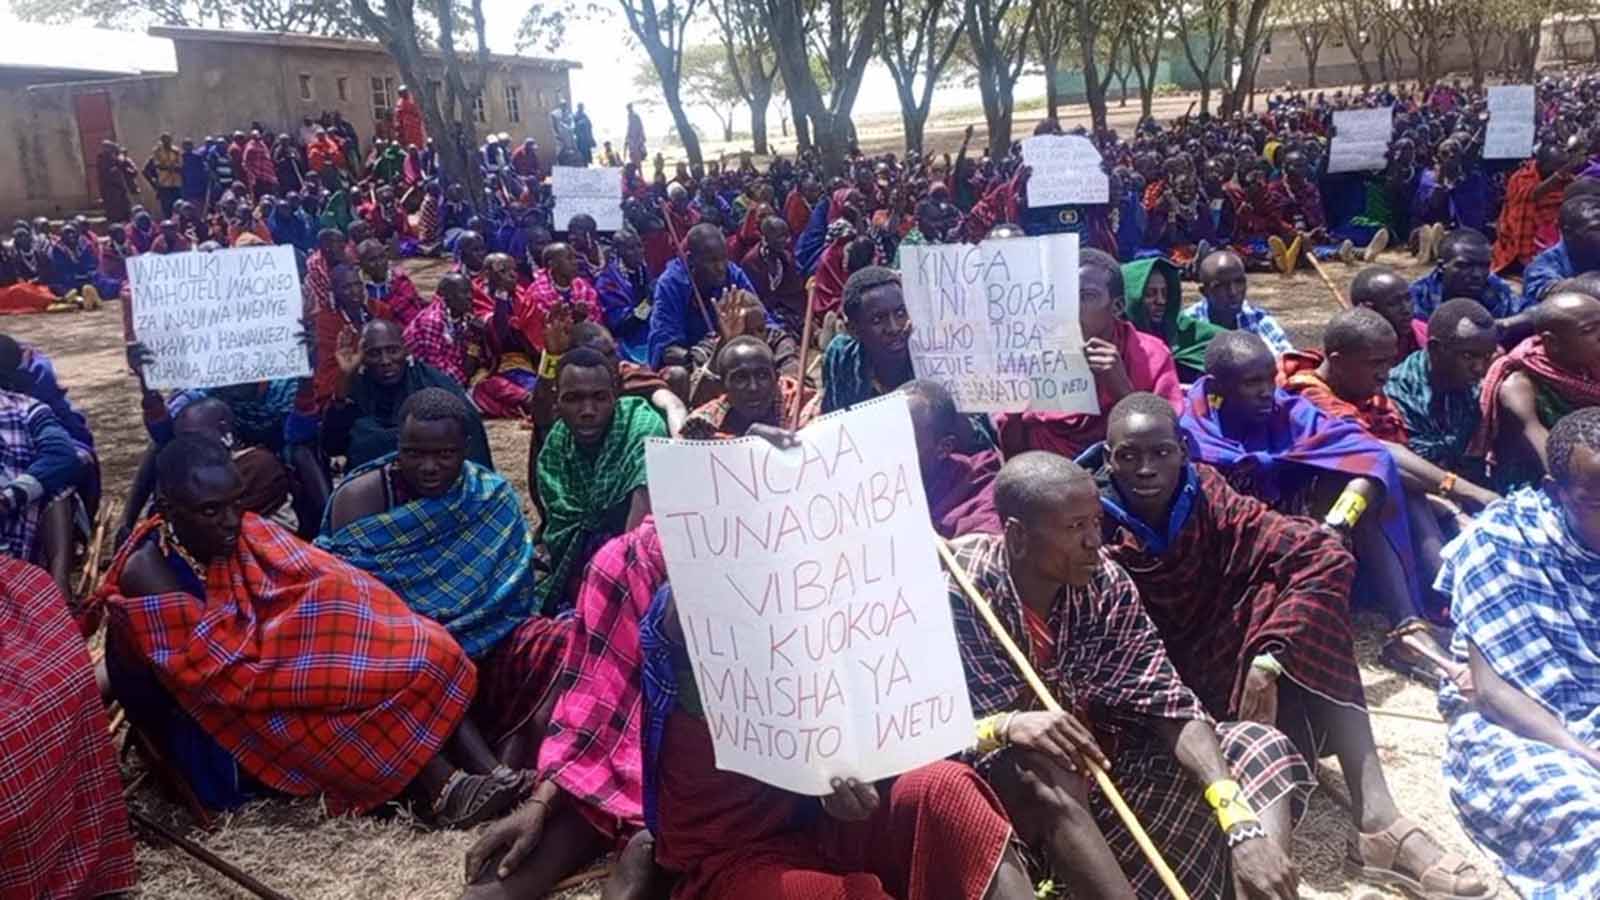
<point x="219" y="318"/>
<point x="1509" y="134"/>
<point x="811" y="600"/>
<point x="997" y="323"/>
<point x="597" y="192"/>
<point x="1066" y="169"/>
<point x="1360" y="139"/>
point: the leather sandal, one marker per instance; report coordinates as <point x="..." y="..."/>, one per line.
<point x="1375" y="859"/>
<point x="470" y="800"/>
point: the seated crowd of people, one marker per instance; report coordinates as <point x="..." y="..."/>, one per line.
<point x="323" y="587"/>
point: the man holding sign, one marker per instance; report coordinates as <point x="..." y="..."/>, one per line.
<point x="803" y="652"/>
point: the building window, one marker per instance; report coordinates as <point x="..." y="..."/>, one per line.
<point x="538" y="99"/>
<point x="513" y="103"/>
<point x="305" y="86"/>
<point x="382" y="99"/>
<point x="1266" y="45"/>
<point x="478" y="110"/>
<point x="343" y="84"/>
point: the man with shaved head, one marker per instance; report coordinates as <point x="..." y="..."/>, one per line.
<point x="1554" y="372"/>
<point x="1079" y="618"/>
<point x="1435" y="390"/>
<point x="1383" y="290"/>
<point x="1463" y="271"/>
<point x="1223" y="302"/>
<point x="375" y="377"/>
<point x="1253" y="607"/>
<point x="683" y="306"/>
<point x="1288" y="453"/>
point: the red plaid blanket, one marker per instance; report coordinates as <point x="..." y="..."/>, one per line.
<point x="63" y="826"/>
<point x="316" y="677"/>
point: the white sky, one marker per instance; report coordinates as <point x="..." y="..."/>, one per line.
<point x="610" y="59"/>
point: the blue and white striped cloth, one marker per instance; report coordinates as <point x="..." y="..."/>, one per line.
<point x="1258" y="322"/>
<point x="1526" y="592"/>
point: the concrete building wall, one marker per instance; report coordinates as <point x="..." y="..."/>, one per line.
<point x="222" y="85"/>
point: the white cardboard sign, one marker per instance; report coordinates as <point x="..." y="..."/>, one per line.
<point x="1360" y="139"/>
<point x="997" y="323"/>
<point x="811" y="601"/>
<point x="597" y="192"/>
<point x="1066" y="169"/>
<point x="1509" y="134"/>
<point x="219" y="318"/>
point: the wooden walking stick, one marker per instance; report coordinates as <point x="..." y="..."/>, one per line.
<point x="1020" y="660"/>
<point x="1323" y="274"/>
<point x="216" y="863"/>
<point x="805" y="349"/>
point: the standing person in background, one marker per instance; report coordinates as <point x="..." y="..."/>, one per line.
<point x="409" y="130"/>
<point x="116" y="182"/>
<point x="164" y="171"/>
<point x="196" y="176"/>
<point x="634" y="145"/>
<point x="583" y="135"/>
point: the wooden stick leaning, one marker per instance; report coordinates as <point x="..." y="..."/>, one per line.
<point x="221" y="866"/>
<point x="1323" y="274"/>
<point x="1020" y="660"/>
<point x="805" y="349"/>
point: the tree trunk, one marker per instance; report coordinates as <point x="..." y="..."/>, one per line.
<point x="802" y="127"/>
<point x="1093" y="88"/>
<point x="1311" y="67"/>
<point x="680" y="120"/>
<point x="913" y="119"/>
<point x="758" y="120"/>
<point x="1000" y="125"/>
<point x="1052" y="93"/>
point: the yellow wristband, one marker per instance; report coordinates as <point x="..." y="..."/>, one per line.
<point x="990" y="738"/>
<point x="547" y="364"/>
<point x="1347" y="509"/>
<point x="1225" y="797"/>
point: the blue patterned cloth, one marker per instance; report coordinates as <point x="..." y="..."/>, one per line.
<point x="1498" y="297"/>
<point x="1258" y="322"/>
<point x="1526" y="592"/>
<point x="464" y="560"/>
<point x="1544" y="271"/>
<point x="660" y="680"/>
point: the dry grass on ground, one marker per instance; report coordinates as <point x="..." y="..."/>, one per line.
<point x="297" y="851"/>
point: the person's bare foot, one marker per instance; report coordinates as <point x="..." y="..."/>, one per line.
<point x="636" y="875"/>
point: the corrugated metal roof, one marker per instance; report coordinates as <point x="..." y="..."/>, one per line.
<point x="321" y="42"/>
<point x="76" y="48"/>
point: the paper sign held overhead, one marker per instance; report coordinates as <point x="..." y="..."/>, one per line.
<point x="597" y="192"/>
<point x="812" y="606"/>
<point x="1509" y="134"/>
<point x="997" y="323"/>
<point x="1066" y="169"/>
<point x="1360" y="139"/>
<point x="219" y="318"/>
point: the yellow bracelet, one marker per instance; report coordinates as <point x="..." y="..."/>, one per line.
<point x="547" y="364"/>
<point x="1225" y="798"/>
<point x="1347" y="509"/>
<point x="990" y="738"/>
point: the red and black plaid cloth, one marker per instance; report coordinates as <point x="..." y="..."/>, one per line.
<point x="516" y="678"/>
<point x="1112" y="670"/>
<point x="63" y="825"/>
<point x="316" y="677"/>
<point x="1239" y="580"/>
<point x="593" y="749"/>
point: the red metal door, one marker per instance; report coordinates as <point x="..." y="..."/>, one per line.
<point x="94" y="125"/>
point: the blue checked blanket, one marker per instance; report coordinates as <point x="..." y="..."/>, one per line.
<point x="464" y="560"/>
<point x="1526" y="593"/>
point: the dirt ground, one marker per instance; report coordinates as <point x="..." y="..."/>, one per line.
<point x="298" y="851"/>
